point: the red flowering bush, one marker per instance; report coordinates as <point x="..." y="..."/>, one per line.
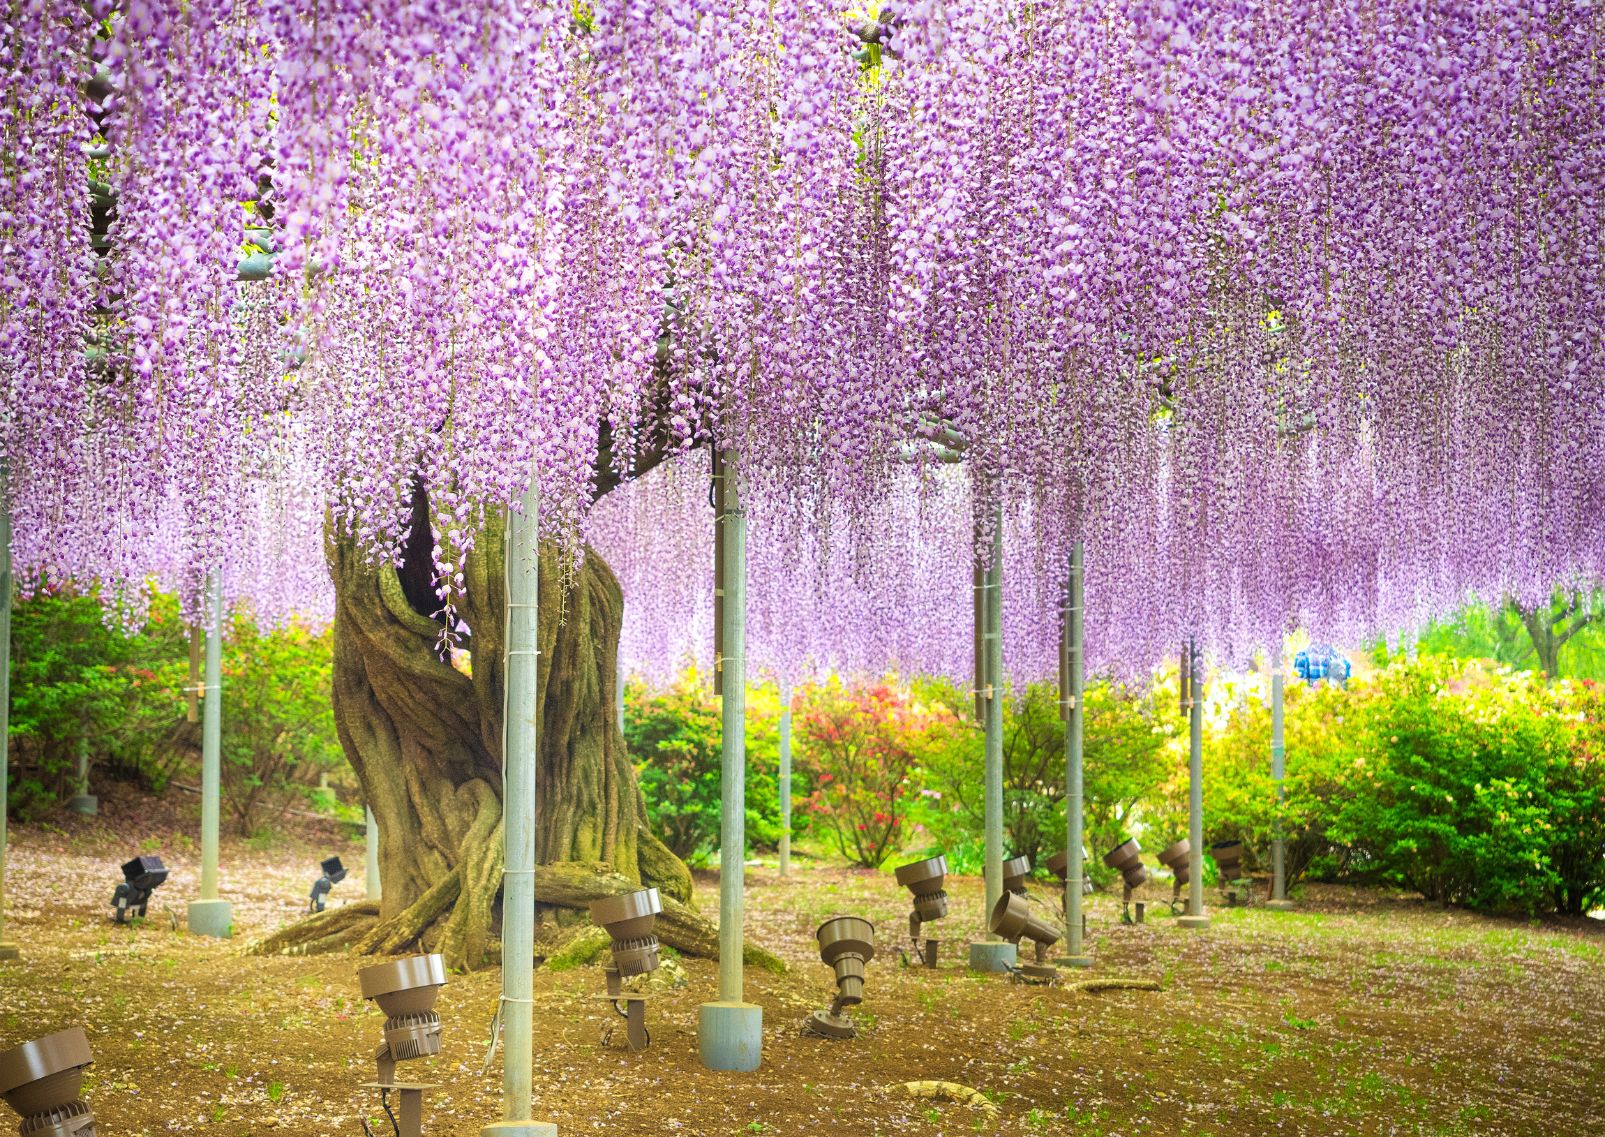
<point x="863" y="747"/>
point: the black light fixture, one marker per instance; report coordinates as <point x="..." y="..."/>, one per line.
<point x="140" y="878"/>
<point x="333" y="873"/>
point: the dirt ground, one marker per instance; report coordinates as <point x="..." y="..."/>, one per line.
<point x="1358" y="1014"/>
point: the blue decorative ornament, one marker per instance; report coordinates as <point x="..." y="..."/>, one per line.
<point x="1318" y="662"/>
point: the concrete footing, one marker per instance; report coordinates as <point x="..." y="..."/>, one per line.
<point x="211" y="918"/>
<point x="1193" y="921"/>
<point x="730" y="1036"/>
<point x="993" y="957"/>
<point x="519" y="1129"/>
<point x="1073" y="961"/>
<point x="84" y="803"/>
<point x="10" y="951"/>
<point x="1280" y="905"/>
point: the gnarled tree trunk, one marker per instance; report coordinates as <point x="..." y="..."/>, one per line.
<point x="425" y="740"/>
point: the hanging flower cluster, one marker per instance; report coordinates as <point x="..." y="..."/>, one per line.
<point x="1291" y="313"/>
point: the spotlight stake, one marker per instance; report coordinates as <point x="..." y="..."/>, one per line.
<point x="628" y="919"/>
<point x="924" y="879"/>
<point x="846" y="944"/>
<point x="405" y="990"/>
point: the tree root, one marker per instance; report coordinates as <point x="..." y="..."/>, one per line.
<point x="948" y="1091"/>
<point x="463" y="929"/>
<point x="1093" y="986"/>
<point x="329" y="930"/>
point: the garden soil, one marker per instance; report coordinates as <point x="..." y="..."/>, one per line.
<point x="1361" y="1013"/>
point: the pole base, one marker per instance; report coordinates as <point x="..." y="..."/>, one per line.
<point x="1280" y="905"/>
<point x="10" y="951"/>
<point x="85" y="803"/>
<point x="995" y="958"/>
<point x="211" y="918"/>
<point x="1192" y="921"/>
<point x="519" y="1129"/>
<point x="1073" y="961"/>
<point x="730" y="1036"/>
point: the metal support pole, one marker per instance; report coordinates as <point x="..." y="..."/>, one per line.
<point x="1195" y="917"/>
<point x="993" y="722"/>
<point x="1074" y="868"/>
<point x="785" y="777"/>
<point x="992" y="955"/>
<point x="372" y="860"/>
<point x="210" y="916"/>
<point x="730" y="1031"/>
<point x="520" y="745"/>
<point x="7" y="950"/>
<point x="1279" y="898"/>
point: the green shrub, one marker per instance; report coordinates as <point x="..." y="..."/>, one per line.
<point x="1124" y="733"/>
<point x="863" y="746"/>
<point x="674" y="741"/>
<point x="79" y="686"/>
<point x="278" y="720"/>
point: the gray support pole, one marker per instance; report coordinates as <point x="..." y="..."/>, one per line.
<point x="1074" y="837"/>
<point x="210" y="916"/>
<point x="730" y="1031"/>
<point x="520" y="739"/>
<point x="7" y="950"/>
<point x="1279" y="900"/>
<point x="374" y="891"/>
<point x="994" y="719"/>
<point x="993" y="955"/>
<point x="1195" y="917"/>
<point x="785" y="777"/>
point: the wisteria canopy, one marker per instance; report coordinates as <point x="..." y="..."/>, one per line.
<point x="1292" y="312"/>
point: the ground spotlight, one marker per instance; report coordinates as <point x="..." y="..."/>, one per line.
<point x="846" y="944"/>
<point x="405" y="990"/>
<point x="1126" y="859"/>
<point x="1176" y="858"/>
<point x="41" y="1079"/>
<point x="924" y="879"/>
<point x="140" y="878"/>
<point x="1012" y="919"/>
<point x="1228" y="856"/>
<point x="628" y="919"/>
<point x="333" y="873"/>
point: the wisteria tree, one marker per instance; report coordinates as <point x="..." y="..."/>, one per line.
<point x="1291" y="313"/>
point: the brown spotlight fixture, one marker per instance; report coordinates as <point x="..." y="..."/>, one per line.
<point x="924" y="879"/>
<point x="1012" y="919"/>
<point x="1126" y="859"/>
<point x="41" y="1080"/>
<point x="405" y="990"/>
<point x="1228" y="856"/>
<point x="1016" y="871"/>
<point x="1176" y="858"/>
<point x="846" y="944"/>
<point x="629" y="918"/>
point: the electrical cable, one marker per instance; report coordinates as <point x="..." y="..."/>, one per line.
<point x="384" y="1100"/>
